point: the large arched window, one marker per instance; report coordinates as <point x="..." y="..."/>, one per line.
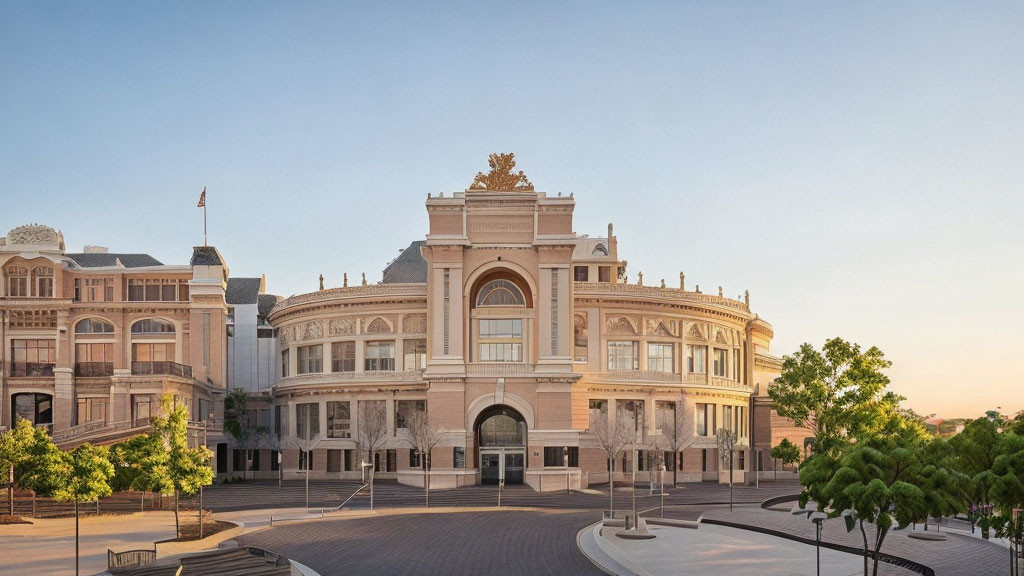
<point x="500" y="292"/>
<point x="152" y="326"/>
<point x="95" y="326"/>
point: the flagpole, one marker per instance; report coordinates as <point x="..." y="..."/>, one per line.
<point x="204" y="222"/>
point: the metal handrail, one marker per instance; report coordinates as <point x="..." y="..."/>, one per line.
<point x="353" y="495"/>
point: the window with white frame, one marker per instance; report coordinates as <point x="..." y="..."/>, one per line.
<point x="380" y="356"/>
<point x="17" y="282"/>
<point x="696" y="359"/>
<point x="500" y="340"/>
<point x="311" y="359"/>
<point x="624" y="355"/>
<point x="705" y="417"/>
<point x="43" y="276"/>
<point x="343" y="357"/>
<point x="660" y="358"/>
<point x="307" y="420"/>
<point x="415" y="354"/>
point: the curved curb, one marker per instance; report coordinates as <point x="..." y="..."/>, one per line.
<point x="303" y="569"/>
<point x="604" y="554"/>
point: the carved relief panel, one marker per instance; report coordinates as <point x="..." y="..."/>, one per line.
<point x="622" y="325"/>
<point x="414" y="323"/>
<point x="340" y="326"/>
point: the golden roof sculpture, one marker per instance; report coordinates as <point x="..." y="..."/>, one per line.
<point x="501" y="178"/>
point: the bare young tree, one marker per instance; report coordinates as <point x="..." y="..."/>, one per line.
<point x="679" y="434"/>
<point x="613" y="439"/>
<point x="424" y="437"/>
<point x="373" y="432"/>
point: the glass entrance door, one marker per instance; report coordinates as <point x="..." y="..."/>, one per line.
<point x="490" y="468"/>
<point x="513" y="468"/>
<point x="498" y="463"/>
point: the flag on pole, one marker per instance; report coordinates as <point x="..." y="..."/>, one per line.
<point x="202" y="199"/>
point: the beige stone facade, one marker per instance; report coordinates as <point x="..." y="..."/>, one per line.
<point x="92" y="340"/>
<point x="514" y="332"/>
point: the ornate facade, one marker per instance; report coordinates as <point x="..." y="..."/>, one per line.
<point x="515" y="334"/>
<point x="90" y="341"/>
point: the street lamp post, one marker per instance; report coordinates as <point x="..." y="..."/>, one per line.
<point x="817" y="518"/>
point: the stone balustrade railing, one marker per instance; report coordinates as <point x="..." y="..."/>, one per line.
<point x="351" y="377"/>
<point x="658" y="292"/>
<point x="498" y="368"/>
<point x="369" y="290"/>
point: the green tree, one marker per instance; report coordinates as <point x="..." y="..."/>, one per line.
<point x="786" y="452"/>
<point x="85" y="476"/>
<point x="875" y="482"/>
<point x="14" y="450"/>
<point x="188" y="468"/>
<point x="240" y="423"/>
<point x="41" y="470"/>
<point x="838" y="393"/>
<point x="141" y="463"/>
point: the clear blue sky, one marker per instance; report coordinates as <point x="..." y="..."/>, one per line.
<point x="859" y="167"/>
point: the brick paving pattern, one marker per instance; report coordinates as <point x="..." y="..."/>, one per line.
<point x="495" y="543"/>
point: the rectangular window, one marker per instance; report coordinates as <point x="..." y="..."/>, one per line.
<point x="182" y="291"/>
<point x="17" y="286"/>
<point x="660" y="358"/>
<point x="284" y="364"/>
<point x="703" y="459"/>
<point x="44" y="287"/>
<point x="274" y="464"/>
<point x="623" y="355"/>
<point x="604" y="273"/>
<point x="561" y="456"/>
<point x="307" y="420"/>
<point x="91" y="410"/>
<point x="153" y="291"/>
<point x="108" y="290"/>
<point x="311" y="359"/>
<point x="136" y="290"/>
<point x="705" y="419"/>
<point x="343" y="357"/>
<point x="168" y="291"/>
<point x="696" y="361"/>
<point x="741" y="422"/>
<point x="727" y="418"/>
<point x="305" y="460"/>
<point x="277" y="422"/>
<point x="598" y="409"/>
<point x="404" y="409"/>
<point x="580" y="273"/>
<point x="458" y="457"/>
<point x="721" y="367"/>
<point x="414" y="458"/>
<point x="380" y="356"/>
<point x="339" y="420"/>
<point x="415" y="354"/>
<point x="633" y="412"/>
<point x="500" y="340"/>
<point x="33" y="357"/>
<point x="333" y="460"/>
<point x="742" y="461"/>
<point x="77" y="297"/>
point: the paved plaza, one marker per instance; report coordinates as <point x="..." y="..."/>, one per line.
<point x="465" y="533"/>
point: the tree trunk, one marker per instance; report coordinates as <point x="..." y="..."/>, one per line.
<point x="611" y="489"/>
<point x="864" y="534"/>
<point x="10" y="490"/>
<point x="675" y="469"/>
<point x="426" y="480"/>
<point x="878" y="545"/>
<point x="372" y="468"/>
<point x="177" y="530"/>
<point x="76" y="536"/>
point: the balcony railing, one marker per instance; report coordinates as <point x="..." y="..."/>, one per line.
<point x="94" y="369"/>
<point x="500" y="368"/>
<point x="31" y="369"/>
<point x="168" y="368"/>
<point x="343" y="365"/>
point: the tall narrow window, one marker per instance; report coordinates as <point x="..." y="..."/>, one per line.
<point x="404" y="410"/>
<point x="339" y="420"/>
<point x="623" y="355"/>
<point x="580" y="339"/>
<point x="17" y="282"/>
<point x="696" y="362"/>
<point x="728" y="420"/>
<point x="660" y="358"/>
<point x="720" y="364"/>
<point x="415" y="354"/>
<point x="604" y="273"/>
<point x="43" y="276"/>
<point x="705" y="419"/>
<point x="284" y="364"/>
<point x="307" y="420"/>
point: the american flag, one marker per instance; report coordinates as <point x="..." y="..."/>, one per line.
<point x="202" y="199"/>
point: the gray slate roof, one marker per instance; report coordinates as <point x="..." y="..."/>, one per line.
<point x="103" y="259"/>
<point x="242" y="290"/>
<point x="266" y="303"/>
<point x="206" y="256"/>
<point x="409" y="267"/>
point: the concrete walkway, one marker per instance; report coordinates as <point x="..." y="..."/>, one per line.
<point x="47" y="546"/>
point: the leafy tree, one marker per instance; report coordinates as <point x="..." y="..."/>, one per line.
<point x="875" y="482"/>
<point x="141" y="463"/>
<point x="425" y="436"/>
<point x="14" y="451"/>
<point x="41" y="469"/>
<point x="838" y="393"/>
<point x="373" y="432"/>
<point x="85" y="476"/>
<point x="786" y="452"/>
<point x="188" y="468"/>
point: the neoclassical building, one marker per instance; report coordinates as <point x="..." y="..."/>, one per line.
<point x="90" y="341"/>
<point x="515" y="334"/>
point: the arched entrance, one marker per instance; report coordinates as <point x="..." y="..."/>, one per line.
<point x="501" y="438"/>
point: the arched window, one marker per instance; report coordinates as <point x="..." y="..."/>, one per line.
<point x="500" y="293"/>
<point x="17" y="281"/>
<point x="152" y="326"/>
<point x="97" y="326"/>
<point x="599" y="250"/>
<point x="43" y="280"/>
